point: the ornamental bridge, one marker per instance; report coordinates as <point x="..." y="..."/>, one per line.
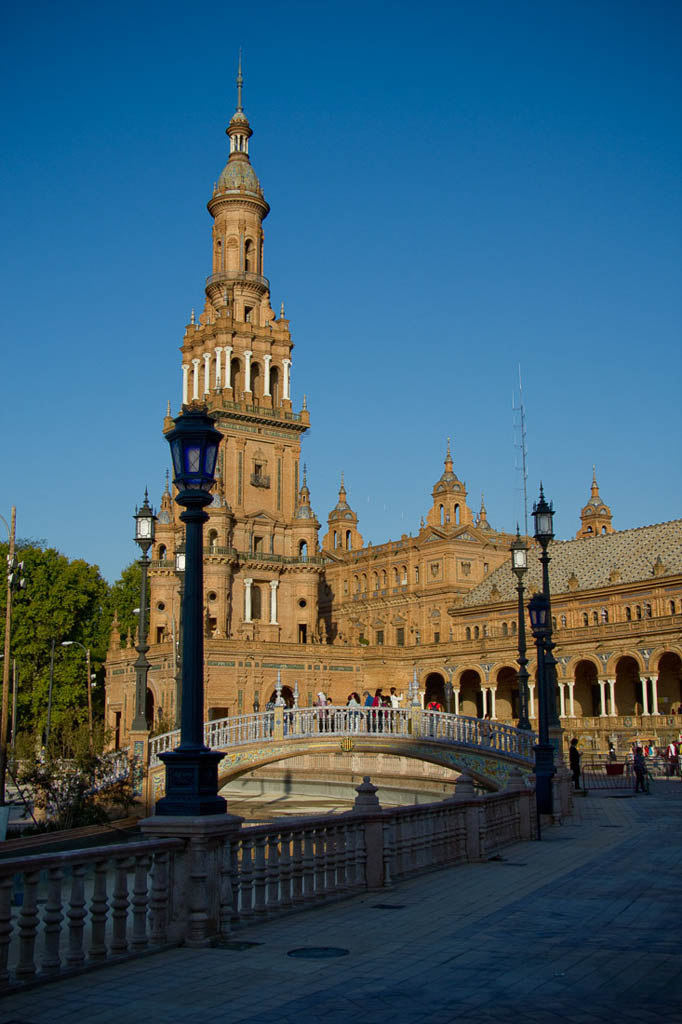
<point x="487" y="750"/>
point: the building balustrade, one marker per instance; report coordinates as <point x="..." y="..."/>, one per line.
<point x="260" y="480"/>
<point x="64" y="912"/>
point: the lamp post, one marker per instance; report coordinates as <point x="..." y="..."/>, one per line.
<point x="180" y="573"/>
<point x="14" y="583"/>
<point x="145" y="522"/>
<point x="541" y="625"/>
<point x="77" y="643"/>
<point x="543" y="514"/>
<point x="192" y="769"/>
<point x="519" y="564"/>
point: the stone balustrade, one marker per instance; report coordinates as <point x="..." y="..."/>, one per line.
<point x="192" y="881"/>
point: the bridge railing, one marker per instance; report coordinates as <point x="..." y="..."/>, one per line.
<point x="402" y="723"/>
<point x="195" y="880"/>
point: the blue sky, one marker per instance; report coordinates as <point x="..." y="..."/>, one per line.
<point x="455" y="189"/>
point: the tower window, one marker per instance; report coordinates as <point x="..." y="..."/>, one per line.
<point x="248" y="310"/>
<point x="400" y="636"/>
<point x="255" y="602"/>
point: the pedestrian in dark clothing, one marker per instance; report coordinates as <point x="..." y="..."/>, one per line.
<point x="639" y="764"/>
<point x="574" y="762"/>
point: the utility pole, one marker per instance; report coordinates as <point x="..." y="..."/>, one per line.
<point x="6" y="663"/>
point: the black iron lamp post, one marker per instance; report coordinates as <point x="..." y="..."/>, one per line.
<point x="180" y="556"/>
<point x="541" y="624"/>
<point x="192" y="769"/>
<point x="519" y="560"/>
<point x="145" y="522"/>
<point x="543" y="514"/>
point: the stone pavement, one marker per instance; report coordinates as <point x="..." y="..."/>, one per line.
<point x="582" y="927"/>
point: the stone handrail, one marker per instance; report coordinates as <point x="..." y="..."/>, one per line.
<point x="399" y="723"/>
<point x="194" y="880"/>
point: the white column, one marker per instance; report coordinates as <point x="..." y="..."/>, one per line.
<point x="645" y="697"/>
<point x="571" y="698"/>
<point x="266" y="374"/>
<point x="286" y="383"/>
<point x="602" y="698"/>
<point x="273" y="601"/>
<point x="493" y="712"/>
<point x="612" y="696"/>
<point x="456" y="693"/>
<point x="195" y="379"/>
<point x="247" y="370"/>
<point x="207" y="372"/>
<point x="654" y="696"/>
<point x="247" y="600"/>
<point x="218" y="367"/>
<point x="562" y="700"/>
<point x="185" y="383"/>
<point x="228" y="359"/>
<point x="484" y="693"/>
<point x="531" y="699"/>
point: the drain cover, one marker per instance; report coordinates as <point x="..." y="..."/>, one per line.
<point x="388" y="906"/>
<point x="317" y="952"/>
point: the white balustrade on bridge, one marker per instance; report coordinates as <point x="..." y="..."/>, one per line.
<point x="403" y="724"/>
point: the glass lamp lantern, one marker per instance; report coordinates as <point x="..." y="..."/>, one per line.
<point x="543" y="514"/>
<point x="145" y="523"/>
<point x="180" y="561"/>
<point x="519" y="555"/>
<point x="194" y="448"/>
<point x="538" y="609"/>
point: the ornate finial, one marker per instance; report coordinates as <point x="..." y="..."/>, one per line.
<point x="168" y="412"/>
<point x="281" y="311"/>
<point x="167" y="487"/>
<point x="240" y="83"/>
<point x="192" y="318"/>
<point x="448" y="459"/>
<point x="447" y="454"/>
<point x="305" y="401"/>
<point x="305" y="475"/>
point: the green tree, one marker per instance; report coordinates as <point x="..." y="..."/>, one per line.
<point x="125" y="598"/>
<point x="63" y="600"/>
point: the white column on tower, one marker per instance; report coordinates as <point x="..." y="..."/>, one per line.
<point x="247" y="600"/>
<point x="654" y="696"/>
<point x="273" y="601"/>
<point x="286" y="383"/>
<point x="185" y="383"/>
<point x="602" y="698"/>
<point x="612" y="696"/>
<point x="562" y="700"/>
<point x="267" y="359"/>
<point x="484" y="693"/>
<point x="228" y="359"/>
<point x="571" y="699"/>
<point x="493" y="710"/>
<point x="218" y="367"/>
<point x="645" y="697"/>
<point x="195" y="379"/>
<point x="207" y="372"/>
<point x="456" y="693"/>
<point x="247" y="370"/>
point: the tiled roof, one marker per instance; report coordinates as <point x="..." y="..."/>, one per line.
<point x="627" y="556"/>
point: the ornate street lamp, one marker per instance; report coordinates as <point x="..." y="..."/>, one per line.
<point x="192" y="769"/>
<point x="180" y="557"/>
<point x="145" y="522"/>
<point x="519" y="564"/>
<point x="541" y="624"/>
<point x="543" y="514"/>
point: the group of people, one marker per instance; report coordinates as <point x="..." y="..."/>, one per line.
<point x="374" y="720"/>
<point x="638" y="757"/>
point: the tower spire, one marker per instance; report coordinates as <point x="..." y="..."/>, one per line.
<point x="240" y="83"/>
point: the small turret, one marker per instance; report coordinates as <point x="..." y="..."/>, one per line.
<point x="449" y="498"/>
<point x="595" y="516"/>
<point x="343" y="526"/>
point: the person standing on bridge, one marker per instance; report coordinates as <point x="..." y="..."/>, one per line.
<point x="395" y="699"/>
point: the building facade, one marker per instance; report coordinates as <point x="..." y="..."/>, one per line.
<point x="337" y="615"/>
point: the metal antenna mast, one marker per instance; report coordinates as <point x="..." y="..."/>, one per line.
<point x="524" y="451"/>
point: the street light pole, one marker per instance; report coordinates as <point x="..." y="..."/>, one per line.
<point x="192" y="768"/>
<point x="180" y="573"/>
<point x="145" y="521"/>
<point x="543" y="514"/>
<point x="544" y="751"/>
<point x="519" y="553"/>
<point x="76" y="643"/>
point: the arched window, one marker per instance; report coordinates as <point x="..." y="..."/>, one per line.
<point x="384" y="579"/>
<point x="505" y="629"/>
<point x="603" y="530"/>
<point x="672" y="607"/>
<point x="403" y="575"/>
<point x="595" y="618"/>
<point x="161" y="554"/>
<point x="255" y="601"/>
<point x="467" y="633"/>
<point x="477" y="632"/>
<point x="586" y="620"/>
<point x="234" y="373"/>
<point x="396" y="576"/>
<point x="375" y="580"/>
<point x="416" y="574"/>
<point x="356" y="584"/>
<point x="336" y="539"/>
<point x="628" y="614"/>
<point x="303" y="549"/>
<point x="647" y="611"/>
<point x="364" y="582"/>
<point x="442" y="515"/>
<point x="513" y="627"/>
<point x="554" y="622"/>
<point x="457" y="515"/>
<point x="274" y="384"/>
<point x="589" y="529"/>
<point x="255" y="381"/>
<point x="638" y="612"/>
<point x="218" y="256"/>
<point x="249" y="254"/>
<point x="349" y="540"/>
<point x="212" y="539"/>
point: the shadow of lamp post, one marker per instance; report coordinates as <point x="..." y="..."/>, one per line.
<point x="192" y="768"/>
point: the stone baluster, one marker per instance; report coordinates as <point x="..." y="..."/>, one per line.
<point x="259" y="873"/>
<point x="52" y="922"/>
<point x="99" y="906"/>
<point x="76" y="914"/>
<point x="140" y="902"/>
<point x="158" y="904"/>
<point x="28" y="927"/>
<point x="119" y="906"/>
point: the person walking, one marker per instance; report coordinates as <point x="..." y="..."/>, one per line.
<point x="574" y="762"/>
<point x="639" y="764"/>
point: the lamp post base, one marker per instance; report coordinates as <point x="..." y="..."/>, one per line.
<point x="544" y="773"/>
<point x="191" y="784"/>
